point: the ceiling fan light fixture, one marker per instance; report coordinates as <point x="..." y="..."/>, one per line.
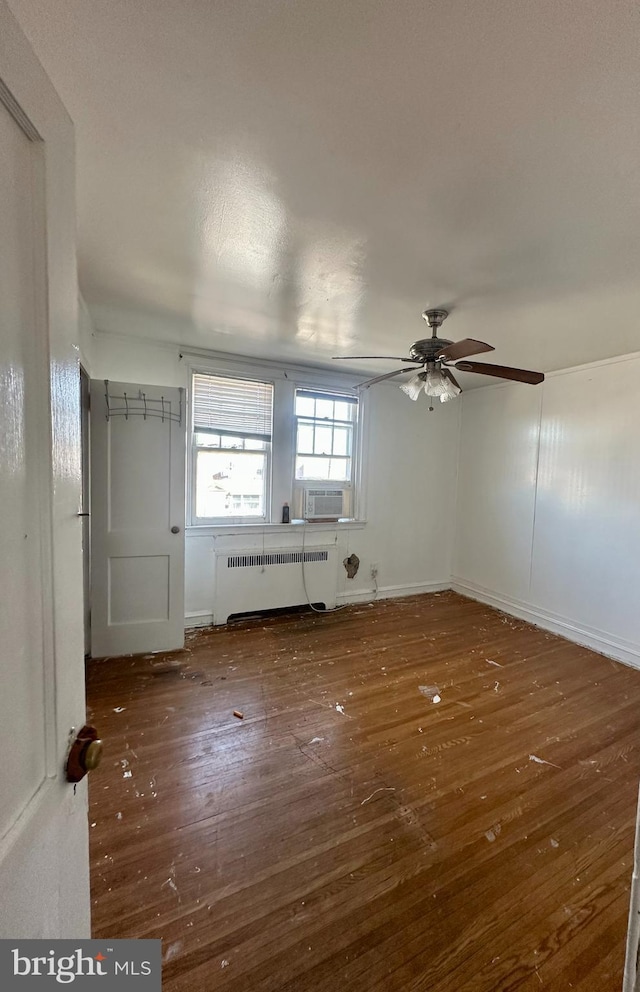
<point x="413" y="387"/>
<point x="437" y="384"/>
<point x="450" y="391"/>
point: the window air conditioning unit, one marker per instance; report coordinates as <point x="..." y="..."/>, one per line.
<point x="322" y="504"/>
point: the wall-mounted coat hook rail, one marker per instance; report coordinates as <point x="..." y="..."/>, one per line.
<point x="142" y="406"/>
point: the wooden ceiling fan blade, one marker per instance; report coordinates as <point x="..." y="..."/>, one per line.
<point x="357" y="358"/>
<point x="460" y="349"/>
<point x="449" y="375"/>
<point x="389" y="375"/>
<point x="502" y="372"/>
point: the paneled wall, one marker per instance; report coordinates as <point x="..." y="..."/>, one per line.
<point x="548" y="506"/>
<point x="410" y="477"/>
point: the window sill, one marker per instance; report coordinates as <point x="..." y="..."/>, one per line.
<point x="215" y="530"/>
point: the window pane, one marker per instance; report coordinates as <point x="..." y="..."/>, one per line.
<point x="305" y="406"/>
<point x="312" y="468"/>
<point x="231" y="442"/>
<point x="324" y="409"/>
<point x="230" y="484"/>
<point x="344" y="411"/>
<point x="341" y="438"/>
<point x="252" y="445"/>
<point x="305" y="437"/>
<point x="340" y="469"/>
<point x="323" y="440"/>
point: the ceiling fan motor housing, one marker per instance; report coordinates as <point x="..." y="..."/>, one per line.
<point x="427" y="349"/>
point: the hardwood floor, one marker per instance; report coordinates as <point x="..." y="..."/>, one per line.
<point x="351" y="833"/>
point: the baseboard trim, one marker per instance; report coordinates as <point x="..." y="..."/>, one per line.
<point x="198" y="619"/>
<point x="201" y="618"/>
<point x="391" y="592"/>
<point x="625" y="651"/>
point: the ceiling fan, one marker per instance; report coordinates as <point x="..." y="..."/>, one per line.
<point x="434" y="355"/>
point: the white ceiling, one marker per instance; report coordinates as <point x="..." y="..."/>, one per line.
<point x="300" y="179"/>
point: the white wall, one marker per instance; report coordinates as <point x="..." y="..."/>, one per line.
<point x="548" y="506"/>
<point x="86" y="336"/>
<point x="410" y="470"/>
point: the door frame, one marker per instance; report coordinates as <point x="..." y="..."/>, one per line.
<point x="85" y="502"/>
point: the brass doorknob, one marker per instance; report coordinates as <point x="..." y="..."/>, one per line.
<point x="92" y="756"/>
<point x="84" y="755"/>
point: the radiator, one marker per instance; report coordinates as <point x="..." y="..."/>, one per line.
<point x="249" y="581"/>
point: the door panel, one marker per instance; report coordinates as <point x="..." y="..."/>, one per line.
<point x="44" y="864"/>
<point x="148" y="577"/>
<point x="137" y="491"/>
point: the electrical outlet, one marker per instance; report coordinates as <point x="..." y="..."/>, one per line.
<point x="374" y="570"/>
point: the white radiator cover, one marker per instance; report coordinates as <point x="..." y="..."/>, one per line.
<point x="248" y="581"/>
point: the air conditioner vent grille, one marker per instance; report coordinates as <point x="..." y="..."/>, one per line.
<point x="324" y="503"/>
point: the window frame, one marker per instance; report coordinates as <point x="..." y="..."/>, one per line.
<point x="331" y="423"/>
<point x="285" y="379"/>
<point x="192" y="460"/>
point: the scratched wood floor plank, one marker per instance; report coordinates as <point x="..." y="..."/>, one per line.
<point x="351" y="834"/>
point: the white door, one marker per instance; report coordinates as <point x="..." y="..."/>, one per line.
<point x="137" y="518"/>
<point x="44" y="890"/>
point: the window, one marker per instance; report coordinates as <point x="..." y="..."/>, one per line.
<point x="256" y="445"/>
<point x="324" y="436"/>
<point x="232" y="423"/>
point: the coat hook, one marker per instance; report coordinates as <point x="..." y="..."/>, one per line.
<point x="144" y="400"/>
<point x="126" y="405"/>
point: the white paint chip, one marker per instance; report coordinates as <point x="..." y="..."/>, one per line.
<point x="224" y="963"/>
<point x="316" y="740"/>
<point x="172" y="950"/>
<point x="554" y="842"/>
<point x="127" y="774"/>
<point x="340" y="709"/>
<point x="119" y="709"/>
<point x="431" y="692"/>
<point x="375" y="794"/>
<point x="541" y="761"/>
<point x="118" y="816"/>
<point x="493" y="832"/>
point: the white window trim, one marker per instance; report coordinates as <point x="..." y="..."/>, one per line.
<point x="281" y="461"/>
<point x="239" y="520"/>
<point x="326" y="483"/>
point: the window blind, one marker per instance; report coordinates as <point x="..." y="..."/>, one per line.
<point x="233" y="407"/>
